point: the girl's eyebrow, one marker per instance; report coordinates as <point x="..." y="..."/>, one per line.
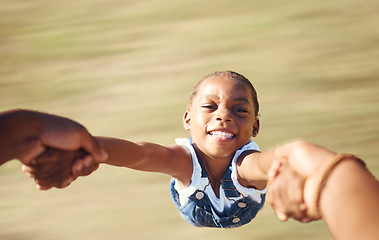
<point x="238" y="99"/>
<point x="241" y="99"/>
<point x="212" y="96"/>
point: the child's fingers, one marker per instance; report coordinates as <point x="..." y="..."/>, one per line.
<point x="52" y="177"/>
<point x="43" y="187"/>
<point x="275" y="199"/>
<point x="96" y="167"/>
<point x="77" y="167"/>
<point x="54" y="173"/>
<point x="284" y="211"/>
<point x="281" y="215"/>
<point x="274" y="170"/>
<point x="90" y="145"/>
<point x="66" y="183"/>
<point x="309" y="196"/>
<point x="84" y="166"/>
<point x="285" y="192"/>
<point x="29" y="171"/>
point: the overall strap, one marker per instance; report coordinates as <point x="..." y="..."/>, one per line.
<point x="228" y="185"/>
<point x="203" y="172"/>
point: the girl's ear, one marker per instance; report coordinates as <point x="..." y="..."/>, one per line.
<point x="187" y="121"/>
<point x="256" y="127"/>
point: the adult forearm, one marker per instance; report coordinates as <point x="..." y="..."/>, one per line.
<point x="349" y="202"/>
<point x="18" y="129"/>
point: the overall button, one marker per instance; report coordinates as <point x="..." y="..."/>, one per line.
<point x="199" y="195"/>
<point x="241" y="204"/>
<point x="236" y="220"/>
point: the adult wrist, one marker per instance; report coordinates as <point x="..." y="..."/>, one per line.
<point x="24" y="127"/>
<point x="324" y="177"/>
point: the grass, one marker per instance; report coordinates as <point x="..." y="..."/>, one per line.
<point x="126" y="69"/>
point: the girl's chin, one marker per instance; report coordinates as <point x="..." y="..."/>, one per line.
<point x="221" y="153"/>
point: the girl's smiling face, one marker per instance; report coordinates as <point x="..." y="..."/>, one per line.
<point x="221" y="117"/>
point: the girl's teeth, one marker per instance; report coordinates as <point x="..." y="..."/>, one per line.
<point x="221" y="134"/>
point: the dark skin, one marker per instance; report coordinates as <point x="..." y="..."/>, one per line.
<point x="221" y="118"/>
<point x="52" y="167"/>
<point x="348" y="199"/>
<point x="30" y="137"/>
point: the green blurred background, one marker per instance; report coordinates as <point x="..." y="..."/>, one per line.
<point x="126" y="69"/>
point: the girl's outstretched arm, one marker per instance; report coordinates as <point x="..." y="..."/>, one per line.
<point x="173" y="160"/>
<point x="252" y="168"/>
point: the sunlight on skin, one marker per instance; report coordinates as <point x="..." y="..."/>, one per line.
<point x="126" y="69"/>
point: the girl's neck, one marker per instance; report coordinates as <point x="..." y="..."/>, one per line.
<point x="215" y="168"/>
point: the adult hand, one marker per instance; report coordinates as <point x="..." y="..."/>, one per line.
<point x="66" y="134"/>
<point x="285" y="192"/>
<point x="298" y="171"/>
<point x="28" y="134"/>
<point x="52" y="167"/>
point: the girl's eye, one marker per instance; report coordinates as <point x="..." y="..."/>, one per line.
<point x="209" y="107"/>
<point x="240" y="110"/>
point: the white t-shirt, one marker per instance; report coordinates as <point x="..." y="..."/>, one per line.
<point x="198" y="183"/>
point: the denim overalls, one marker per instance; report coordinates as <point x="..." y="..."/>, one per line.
<point x="199" y="211"/>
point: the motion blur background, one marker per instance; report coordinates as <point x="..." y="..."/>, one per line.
<point x="126" y="69"/>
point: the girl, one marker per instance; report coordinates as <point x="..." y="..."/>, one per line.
<point x="219" y="175"/>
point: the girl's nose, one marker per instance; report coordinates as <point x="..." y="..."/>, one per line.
<point x="223" y="115"/>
